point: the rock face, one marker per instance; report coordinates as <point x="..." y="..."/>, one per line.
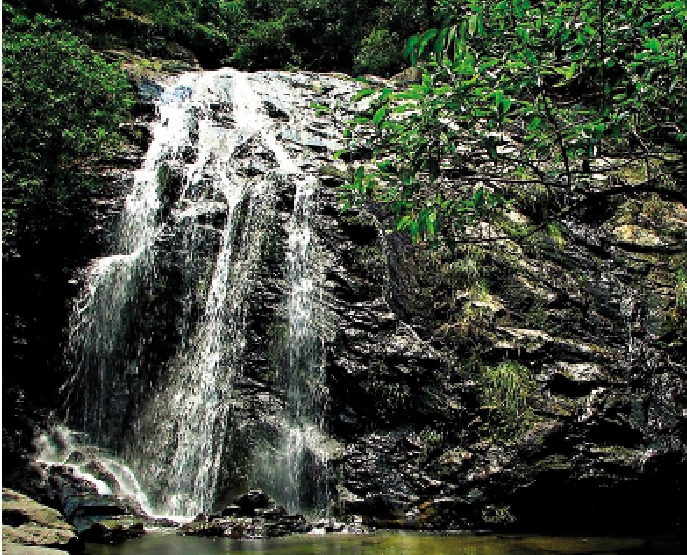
<point x="560" y="391"/>
<point x="535" y="384"/>
<point x="30" y="524"/>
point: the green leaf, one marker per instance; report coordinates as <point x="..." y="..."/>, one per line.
<point x="425" y="40"/>
<point x="653" y="44"/>
<point x="411" y="46"/>
<point x="404" y="223"/>
<point x="359" y="173"/>
<point x="534" y="124"/>
<point x="362" y="94"/>
<point x="472" y="24"/>
<point x="380" y="114"/>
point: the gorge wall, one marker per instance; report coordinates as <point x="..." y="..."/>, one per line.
<point x="244" y="332"/>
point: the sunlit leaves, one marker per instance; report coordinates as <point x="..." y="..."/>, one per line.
<point x="380" y="114"/>
<point x="549" y="86"/>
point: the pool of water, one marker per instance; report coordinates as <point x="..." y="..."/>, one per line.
<point x="392" y="544"/>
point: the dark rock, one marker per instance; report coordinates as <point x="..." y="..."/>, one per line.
<point x="271" y="514"/>
<point x="249" y="502"/>
<point x="231" y="510"/>
<point x="113" y="531"/>
<point x="276" y="109"/>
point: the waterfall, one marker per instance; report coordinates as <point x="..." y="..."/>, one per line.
<point x="97" y="325"/>
<point x="158" y="338"/>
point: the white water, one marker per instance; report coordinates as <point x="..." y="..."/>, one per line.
<point x="173" y="437"/>
<point x="98" y="322"/>
<point x="56" y="447"/>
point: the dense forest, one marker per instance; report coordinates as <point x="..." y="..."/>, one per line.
<point x="490" y="123"/>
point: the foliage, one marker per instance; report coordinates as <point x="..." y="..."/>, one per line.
<point x="251" y="34"/>
<point x="61" y="108"/>
<point x="522" y="95"/>
<point x="264" y="47"/>
<point x="379" y="54"/>
<point x="507" y="389"/>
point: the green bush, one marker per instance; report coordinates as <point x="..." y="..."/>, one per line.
<point x="380" y="53"/>
<point x="61" y="108"/>
<point x="264" y="47"/>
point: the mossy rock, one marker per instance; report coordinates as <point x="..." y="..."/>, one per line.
<point x="27" y="522"/>
<point x="329" y="170"/>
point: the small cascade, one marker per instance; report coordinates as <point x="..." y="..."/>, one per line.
<point x="62" y="447"/>
<point x="159" y="337"/>
<point x="294" y="470"/>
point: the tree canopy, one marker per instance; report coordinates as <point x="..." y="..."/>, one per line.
<point x="520" y="98"/>
<point x="61" y="108"/>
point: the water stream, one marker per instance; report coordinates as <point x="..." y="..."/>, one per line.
<point x="201" y="211"/>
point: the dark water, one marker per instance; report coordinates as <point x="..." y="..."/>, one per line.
<point x="391" y="544"/>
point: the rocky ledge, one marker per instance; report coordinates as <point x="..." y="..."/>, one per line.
<point x="28" y="526"/>
<point x="254" y="516"/>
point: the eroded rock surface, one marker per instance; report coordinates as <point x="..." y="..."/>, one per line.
<point x="28" y="523"/>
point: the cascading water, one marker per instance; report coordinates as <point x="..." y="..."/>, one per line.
<point x="98" y="324"/>
<point x="201" y="212"/>
<point x="302" y="445"/>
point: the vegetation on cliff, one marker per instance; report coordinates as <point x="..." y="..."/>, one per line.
<point x="344" y="35"/>
<point x="519" y="100"/>
<point x="541" y="128"/>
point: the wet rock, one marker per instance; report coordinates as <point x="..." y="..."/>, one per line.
<point x="84" y="510"/>
<point x="446" y="513"/>
<point x="28" y="523"/>
<point x="275" y="525"/>
<point x="249" y="502"/>
<point x="231" y="510"/>
<point x="574" y="379"/>
<point x="114" y="530"/>
<point x="271" y="514"/>
<point x="76" y="457"/>
<point x="276" y="109"/>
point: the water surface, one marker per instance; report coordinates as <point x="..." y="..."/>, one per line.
<point x="391" y="544"/>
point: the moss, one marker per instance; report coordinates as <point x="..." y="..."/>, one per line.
<point x="555" y="232"/>
<point x="333" y="171"/>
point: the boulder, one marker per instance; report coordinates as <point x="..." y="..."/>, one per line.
<point x="28" y="523"/>
<point x="249" y="502"/>
<point x="17" y="549"/>
<point x="114" y="530"/>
